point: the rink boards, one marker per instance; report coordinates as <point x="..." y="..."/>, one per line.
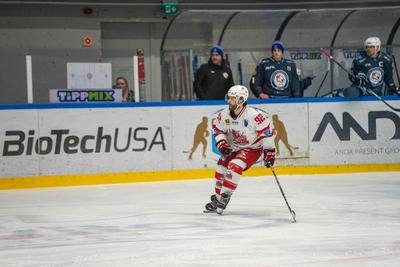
<point x="56" y="145"/>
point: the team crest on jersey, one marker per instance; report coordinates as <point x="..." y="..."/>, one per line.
<point x="375" y="76"/>
<point x="279" y="80"/>
<point x="227" y="122"/>
<point x="225" y="75"/>
<point x="239" y="138"/>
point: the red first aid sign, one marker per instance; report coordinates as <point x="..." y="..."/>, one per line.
<point x="87" y="41"/>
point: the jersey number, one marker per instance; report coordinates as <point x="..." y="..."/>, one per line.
<point x="259" y="119"/>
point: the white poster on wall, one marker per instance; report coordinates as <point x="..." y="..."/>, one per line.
<point x="89" y="75"/>
<point x="353" y="132"/>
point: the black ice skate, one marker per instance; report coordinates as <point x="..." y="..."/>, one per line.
<point x="223" y="202"/>
<point x="211" y="206"/>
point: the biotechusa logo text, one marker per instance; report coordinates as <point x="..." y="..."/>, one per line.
<point x="350" y="123"/>
<point x="62" y="141"/>
<point x="85" y="95"/>
<point x="305" y="55"/>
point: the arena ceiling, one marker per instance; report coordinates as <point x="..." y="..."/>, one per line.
<point x="236" y="5"/>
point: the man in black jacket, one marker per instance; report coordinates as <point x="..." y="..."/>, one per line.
<point x="213" y="79"/>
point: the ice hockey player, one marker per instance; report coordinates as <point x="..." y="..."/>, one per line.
<point x="276" y="76"/>
<point x="242" y="135"/>
<point x="373" y="68"/>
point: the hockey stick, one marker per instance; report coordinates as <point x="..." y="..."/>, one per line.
<point x="397" y="70"/>
<point x="326" y="53"/>
<point x="283" y="194"/>
<point x="320" y="86"/>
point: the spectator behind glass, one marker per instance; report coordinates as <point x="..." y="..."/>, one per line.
<point x="127" y="95"/>
<point x="213" y="79"/>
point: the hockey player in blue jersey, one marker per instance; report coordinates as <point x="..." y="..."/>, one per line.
<point x="276" y="76"/>
<point x="373" y="69"/>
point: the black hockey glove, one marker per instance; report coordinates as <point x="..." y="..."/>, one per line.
<point x="361" y="78"/>
<point x="269" y="157"/>
<point x="224" y="148"/>
<point x="394" y="91"/>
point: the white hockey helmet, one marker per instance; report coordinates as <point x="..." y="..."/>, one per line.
<point x="239" y="91"/>
<point x="373" y="41"/>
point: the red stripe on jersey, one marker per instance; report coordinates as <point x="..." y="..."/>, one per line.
<point x="216" y="134"/>
<point x="258" y="139"/>
<point x="215" y="128"/>
<point x="263" y="130"/>
<point x="229" y="185"/>
<point x="219" y="176"/>
<point x="234" y="167"/>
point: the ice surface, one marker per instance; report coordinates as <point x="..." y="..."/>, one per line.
<point x="343" y="220"/>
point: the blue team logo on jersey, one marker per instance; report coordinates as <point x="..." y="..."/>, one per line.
<point x="279" y="80"/>
<point x="245" y="122"/>
<point x="375" y="76"/>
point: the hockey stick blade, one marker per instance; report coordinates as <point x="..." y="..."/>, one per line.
<point x="293" y="215"/>
<point x="329" y="56"/>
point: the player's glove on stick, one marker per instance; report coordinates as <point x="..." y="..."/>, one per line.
<point x="361" y="78"/>
<point x="394" y="91"/>
<point x="269" y="157"/>
<point x="224" y="148"/>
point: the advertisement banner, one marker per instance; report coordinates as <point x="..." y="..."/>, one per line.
<point x="39" y="142"/>
<point x="194" y="147"/>
<point x="85" y="96"/>
<point x="75" y="141"/>
<point x="352" y="133"/>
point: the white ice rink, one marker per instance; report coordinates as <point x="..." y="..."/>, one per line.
<point x="343" y="220"/>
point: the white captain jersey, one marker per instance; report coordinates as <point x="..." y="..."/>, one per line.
<point x="250" y="129"/>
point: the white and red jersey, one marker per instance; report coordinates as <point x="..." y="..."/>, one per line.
<point x="250" y="129"/>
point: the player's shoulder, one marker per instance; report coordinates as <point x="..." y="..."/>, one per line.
<point x="266" y="60"/>
<point x="203" y="67"/>
<point x="289" y="61"/>
<point x="254" y="111"/>
<point x="222" y="114"/>
<point x="385" y="57"/>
